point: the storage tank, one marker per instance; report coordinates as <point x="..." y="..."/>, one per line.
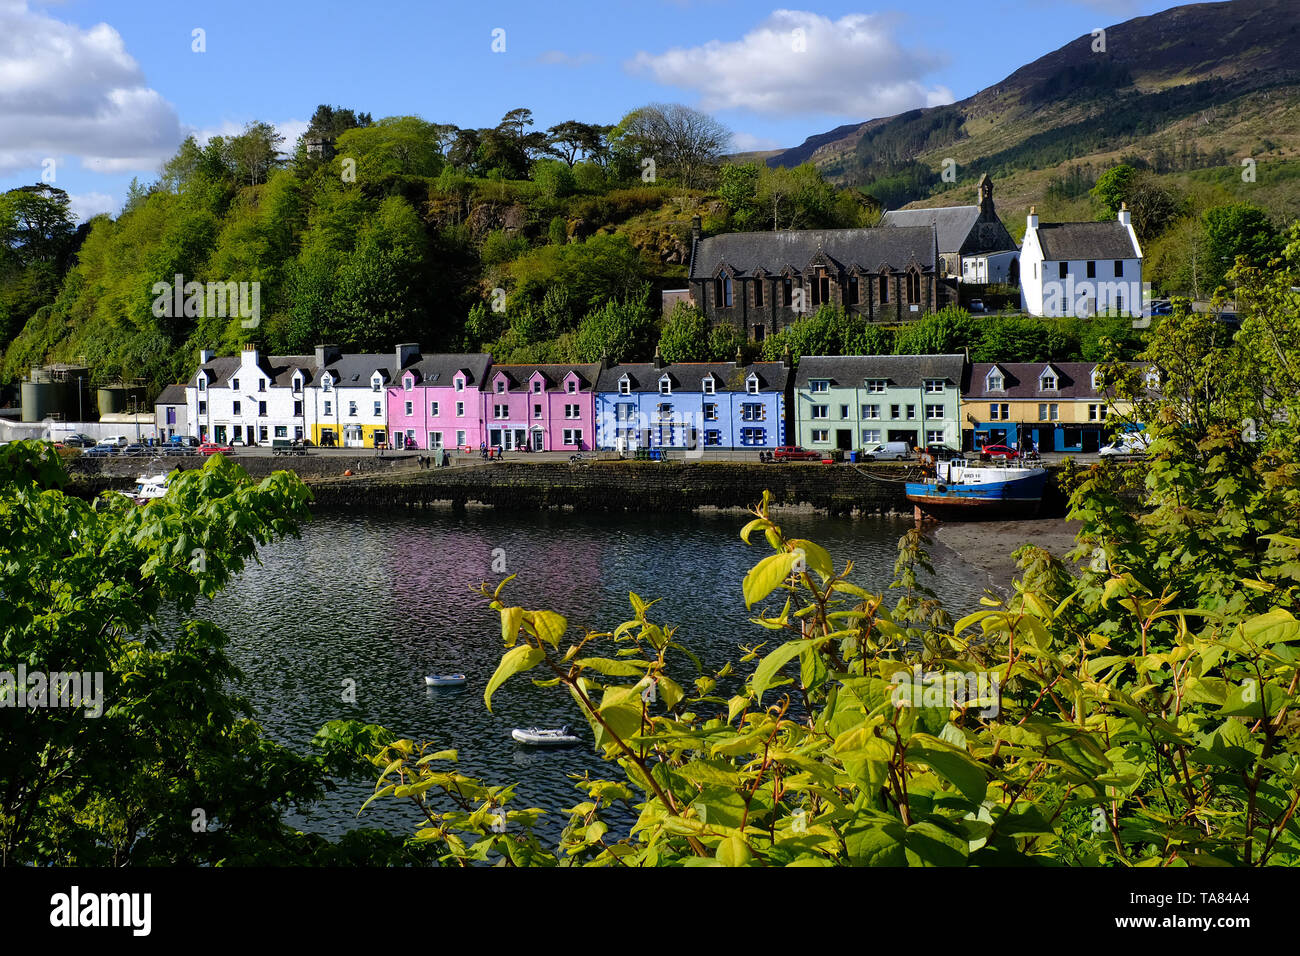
<point x="52" y="392"/>
<point x="120" y="398"/>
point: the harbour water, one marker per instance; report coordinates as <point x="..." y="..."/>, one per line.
<point x="384" y="599"/>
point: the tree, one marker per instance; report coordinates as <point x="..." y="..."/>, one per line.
<point x="682" y="140"/>
<point x="254" y="153"/>
<point x="685" y="336"/>
<point x="738" y="187"/>
<point x="36" y="224"/>
<point x="569" y="139"/>
<point x="620" y="330"/>
<point x="1237" y="230"/>
<point x="1112" y="189"/>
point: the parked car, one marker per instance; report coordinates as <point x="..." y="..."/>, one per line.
<point x="100" y="451"/>
<point x="888" y="451"/>
<point x="184" y="441"/>
<point x="941" y="452"/>
<point x="135" y="448"/>
<point x="1161" y="307"/>
<point x="1129" y="443"/>
<point x="1000" y="452"/>
<point x="212" y="448"/>
<point x="117" y="441"/>
<point x="977" y="305"/>
<point x="794" y="453"/>
<point x="76" y="441"/>
<point x="177" y="451"/>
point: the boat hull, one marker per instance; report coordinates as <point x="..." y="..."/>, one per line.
<point x="1020" y="496"/>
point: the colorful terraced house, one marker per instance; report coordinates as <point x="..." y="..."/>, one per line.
<point x="541" y="407"/>
<point x="693" y="405"/>
<point x="437" y="401"/>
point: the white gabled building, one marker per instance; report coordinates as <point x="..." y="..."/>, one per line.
<point x="1081" y="268"/>
<point x="348" y="401"/>
<point x="249" y="398"/>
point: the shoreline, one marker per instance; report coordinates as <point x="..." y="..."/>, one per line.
<point x="987" y="546"/>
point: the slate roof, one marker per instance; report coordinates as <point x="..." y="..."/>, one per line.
<point x="440" y="369"/>
<point x="954" y="222"/>
<point x="353" y="370"/>
<point x="865" y="249"/>
<point x="171" y="395"/>
<point x="1020" y="381"/>
<point x="519" y="375"/>
<point x="690" y="376"/>
<point x="1085" y="240"/>
<point x="279" y="368"/>
<point x="901" y="371"/>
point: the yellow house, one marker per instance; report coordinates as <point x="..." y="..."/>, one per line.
<point x="1056" y="406"/>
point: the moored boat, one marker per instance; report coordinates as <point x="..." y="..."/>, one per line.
<point x="147" y="488"/>
<point x="542" y="737"/>
<point x="959" y="487"/>
<point x="445" y="680"/>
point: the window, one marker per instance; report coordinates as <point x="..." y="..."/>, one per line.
<point x="408" y="383"/>
<point x="460" y="439"/>
<point x="297" y="384"/>
<point x="433" y="409"/>
<point x="435" y="439"/>
<point x="933" y="411"/>
<point x="1096" y="413"/>
<point x="726" y="292"/>
<point x="753" y="436"/>
<point x="876" y="386"/>
<point x="1092" y="269"/>
<point x="572" y="387"/>
<point x="235" y="409"/>
<point x="820" y="411"/>
<point x="297" y="432"/>
<point x="820" y="435"/>
<point x="203" y="408"/>
<point x="329" y="408"/>
<point x="751" y="386"/>
<point x="1064" y="269"/>
<point x="234" y="384"/>
<point x="787" y="292"/>
<point x="572" y="411"/>
<point x="500" y="411"/>
<point x="870" y="436"/>
<point x="664" y="410"/>
<point x="884" y="290"/>
<point x="375" y="384"/>
<point x="758" y="301"/>
<point x="994" y="381"/>
<point x="755" y="412"/>
<point x="999" y="413"/>
<point x="819" y="385"/>
<point x="460" y="409"/>
<point x="261" y="385"/>
<point x="409" y="407"/>
<point x="297" y="409"/>
<point x="852" y="291"/>
<point x="710" y="412"/>
<point x="844" y="411"/>
<point x="261" y="409"/>
<point x="624" y="387"/>
<point x="537" y="410"/>
<point x="713" y="437"/>
<point x="913" y="288"/>
<point x="501" y="386"/>
<point x="281" y="431"/>
<point x="894" y="411"/>
<point x="665" y="386"/>
<point x="352" y="409"/>
<point x="934" y="386"/>
<point x="378" y="409"/>
<point x="203" y="383"/>
<point x="537" y="386"/>
<point x="934" y="436"/>
<point x="460" y="385"/>
<point x="1047" y="411"/>
<point x="573" y="436"/>
<point x="261" y="433"/>
<point x="911" y="412"/>
<point x="871" y="412"/>
<point x="1119" y="268"/>
<point x="1047" y="382"/>
<point x="709" y="386"/>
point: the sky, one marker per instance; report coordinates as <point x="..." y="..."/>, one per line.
<point x="96" y="92"/>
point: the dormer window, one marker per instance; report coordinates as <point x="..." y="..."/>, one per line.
<point x="376" y="383"/>
<point x="993" y="383"/>
<point x="408" y="383"/>
<point x="751" y="385"/>
<point x="234" y="384"/>
<point x="1153" y="378"/>
<point x="709" y="387"/>
<point x="876" y="386"/>
<point x="261" y="385"/>
<point x="326" y="384"/>
<point x="1047" y="381"/>
<point x="819" y="385"/>
<point x="297" y="383"/>
<point x="573" y="387"/>
<point x="665" y="386"/>
<point x="625" y="386"/>
<point x="537" y="386"/>
<point x="501" y="385"/>
<point x="1097" y="384"/>
<point x="203" y="383"/>
<point x="460" y="385"/>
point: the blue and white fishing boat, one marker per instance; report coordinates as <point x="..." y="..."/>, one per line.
<point x="960" y="487"/>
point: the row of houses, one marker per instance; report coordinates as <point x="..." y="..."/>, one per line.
<point x="431" y="401"/>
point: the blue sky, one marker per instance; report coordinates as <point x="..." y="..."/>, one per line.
<point x="106" y="89"/>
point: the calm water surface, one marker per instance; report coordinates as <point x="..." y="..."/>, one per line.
<point x="384" y="599"/>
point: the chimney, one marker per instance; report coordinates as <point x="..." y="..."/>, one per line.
<point x="1033" y="217"/>
<point x="986" y="197"/>
<point x="326" y="354"/>
<point x="696" y="228"/>
<point x="659" y="359"/>
<point x="405" y="354"/>
<point x="206" y="356"/>
<point x="786" y="358"/>
<point x="248" y="358"/>
<point x="1125" y="217"/>
<point x="740" y="359"/>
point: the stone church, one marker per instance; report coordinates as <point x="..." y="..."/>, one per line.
<point x="974" y="245"/>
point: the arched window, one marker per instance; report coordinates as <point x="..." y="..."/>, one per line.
<point x="913" y="288"/>
<point x="726" y="291"/>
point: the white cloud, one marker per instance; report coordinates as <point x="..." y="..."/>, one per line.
<point x="85" y="206"/>
<point x="65" y="90"/>
<point x="290" y="129"/>
<point x="748" y="143"/>
<point x="800" y="62"/>
<point x="560" y="58"/>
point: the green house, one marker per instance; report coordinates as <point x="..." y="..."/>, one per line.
<point x="853" y="401"/>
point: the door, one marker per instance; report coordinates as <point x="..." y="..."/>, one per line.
<point x="219" y="434"/>
<point x="844" y="439"/>
<point x="520" y="438"/>
<point x="494" y="437"/>
<point x="537" y="439"/>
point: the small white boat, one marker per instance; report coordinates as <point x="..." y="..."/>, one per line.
<point x="445" y="680"/>
<point x="542" y="737"/>
<point x="147" y="488"/>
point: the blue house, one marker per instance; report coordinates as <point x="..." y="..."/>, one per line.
<point x="692" y="405"/>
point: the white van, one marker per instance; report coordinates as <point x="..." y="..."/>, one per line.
<point x="1129" y="443"/>
<point x="888" y="451"/>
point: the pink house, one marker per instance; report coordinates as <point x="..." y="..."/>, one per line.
<point x="546" y="407"/>
<point x="437" y="400"/>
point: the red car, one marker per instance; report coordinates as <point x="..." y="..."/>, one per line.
<point x="211" y="448"/>
<point x="989" y="452"/>
<point x="794" y="453"/>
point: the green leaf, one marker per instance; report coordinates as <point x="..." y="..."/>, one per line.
<point x="766" y="576"/>
<point x="815" y="556"/>
<point x="550" y="627"/>
<point x="773" y="662"/>
<point x="512" y="618"/>
<point x="516" y="660"/>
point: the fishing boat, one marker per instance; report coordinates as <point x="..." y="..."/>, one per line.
<point x="147" y="488"/>
<point x="445" y="680"/>
<point x="541" y="737"/>
<point x="959" y="487"/>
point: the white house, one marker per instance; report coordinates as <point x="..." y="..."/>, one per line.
<point x="249" y="398"/>
<point x="348" y="397"/>
<point x="1081" y="268"/>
